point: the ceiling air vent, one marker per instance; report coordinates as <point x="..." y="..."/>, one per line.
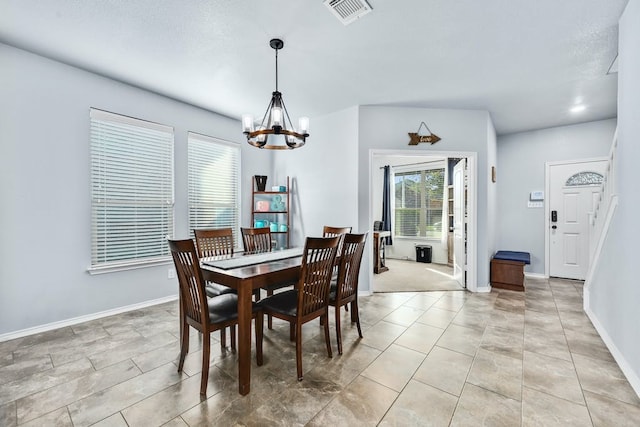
<point x="348" y="11"/>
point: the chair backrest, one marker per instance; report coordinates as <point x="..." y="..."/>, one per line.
<point x="315" y="275"/>
<point x="214" y="242"/>
<point x="328" y="231"/>
<point x="349" y="267"/>
<point x="192" y="293"/>
<point x="256" y="239"/>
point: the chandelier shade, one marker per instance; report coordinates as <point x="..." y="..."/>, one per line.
<point x="276" y="121"/>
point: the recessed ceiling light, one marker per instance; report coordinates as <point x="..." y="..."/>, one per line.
<point x="578" y="108"/>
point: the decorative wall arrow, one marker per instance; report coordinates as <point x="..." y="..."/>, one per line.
<point x="416" y="138"/>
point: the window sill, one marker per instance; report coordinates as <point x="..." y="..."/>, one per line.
<point x="111" y="268"/>
<point x="421" y="239"/>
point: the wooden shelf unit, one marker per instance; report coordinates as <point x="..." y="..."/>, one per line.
<point x="279" y="217"/>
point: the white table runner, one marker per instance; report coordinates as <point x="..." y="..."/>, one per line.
<point x="251" y="259"/>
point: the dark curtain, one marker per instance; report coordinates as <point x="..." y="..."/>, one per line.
<point x="386" y="204"/>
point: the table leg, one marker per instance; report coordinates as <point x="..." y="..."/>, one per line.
<point x="244" y="339"/>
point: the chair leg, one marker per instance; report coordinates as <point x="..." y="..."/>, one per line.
<point x="292" y="332"/>
<point x="338" y="331"/>
<point x="298" y="328"/>
<point x="259" y="337"/>
<point x="233" y="337"/>
<point x="206" y="347"/>
<point x="327" y="339"/>
<point x="184" y="343"/>
<point x="223" y="338"/>
<point x="269" y="317"/>
<point x="355" y="313"/>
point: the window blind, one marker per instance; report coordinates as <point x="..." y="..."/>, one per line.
<point x="418" y="203"/>
<point x="214" y="183"/>
<point x="131" y="190"/>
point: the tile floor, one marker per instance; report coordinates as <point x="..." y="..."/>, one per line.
<point x="433" y="359"/>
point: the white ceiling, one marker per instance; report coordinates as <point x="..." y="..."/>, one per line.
<point x="526" y="62"/>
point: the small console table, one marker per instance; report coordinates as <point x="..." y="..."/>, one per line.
<point x="378" y="251"/>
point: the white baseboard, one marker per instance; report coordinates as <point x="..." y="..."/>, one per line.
<point x="86" y="318"/>
<point x="536" y="275"/>
<point x="626" y="369"/>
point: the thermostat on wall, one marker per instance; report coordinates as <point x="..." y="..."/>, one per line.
<point x="536" y="196"/>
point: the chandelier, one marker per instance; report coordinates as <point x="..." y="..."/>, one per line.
<point x="275" y="121"/>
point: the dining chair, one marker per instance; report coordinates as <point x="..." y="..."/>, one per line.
<point x="257" y="240"/>
<point x="345" y="289"/>
<point x="205" y="314"/>
<point x="310" y="298"/>
<point x="216" y="242"/>
<point x="330" y="231"/>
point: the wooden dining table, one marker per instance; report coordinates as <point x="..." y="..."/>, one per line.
<point x="244" y="273"/>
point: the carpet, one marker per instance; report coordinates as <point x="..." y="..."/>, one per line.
<point x="415" y="276"/>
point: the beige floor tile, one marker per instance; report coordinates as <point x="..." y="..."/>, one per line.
<point x="43" y="380"/>
<point x="460" y="339"/>
<point x="404" y="316"/>
<point x="394" y="367"/>
<point x="505" y="319"/>
<point x="57" y="418"/>
<point x="503" y="341"/>
<point x="420" y="337"/>
<point x="114" y="420"/>
<point x="541" y="409"/>
<point x="552" y="376"/>
<point x="588" y="344"/>
<point x="604" y="378"/>
<point x="610" y="412"/>
<point x="437" y="317"/>
<point x="505" y="354"/>
<point x="103" y="404"/>
<point x="549" y="343"/>
<point x="382" y="334"/>
<point x="38" y="404"/>
<point x="420" y="405"/>
<point x="445" y="369"/>
<point x="363" y="402"/>
<point x="8" y="415"/>
<point x="480" y="407"/>
<point x="498" y="373"/>
<point x="423" y="301"/>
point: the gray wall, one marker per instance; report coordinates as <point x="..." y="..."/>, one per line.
<point x="614" y="293"/>
<point x="521" y="169"/>
<point x="44" y="185"/>
<point x="460" y="130"/>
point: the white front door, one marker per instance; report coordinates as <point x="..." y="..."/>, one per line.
<point x="573" y="191"/>
<point x="459" y="222"/>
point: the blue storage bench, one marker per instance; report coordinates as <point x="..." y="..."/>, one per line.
<point x="507" y="269"/>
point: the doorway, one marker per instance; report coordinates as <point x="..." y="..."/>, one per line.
<point x="573" y="189"/>
<point x="378" y="158"/>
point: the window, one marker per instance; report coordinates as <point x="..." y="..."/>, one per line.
<point x="131" y="191"/>
<point x="214" y="183"/>
<point x="418" y="203"/>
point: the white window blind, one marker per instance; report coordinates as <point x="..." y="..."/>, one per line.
<point x="418" y="203"/>
<point x="214" y="183"/>
<point x="131" y="190"/>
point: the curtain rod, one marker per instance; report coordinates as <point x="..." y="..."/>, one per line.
<point x="419" y="163"/>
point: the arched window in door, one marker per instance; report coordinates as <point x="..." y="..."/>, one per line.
<point x="584" y="178"/>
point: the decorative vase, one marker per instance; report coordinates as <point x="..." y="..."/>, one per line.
<point x="261" y="182"/>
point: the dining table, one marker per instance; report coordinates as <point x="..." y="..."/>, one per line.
<point x="245" y="272"/>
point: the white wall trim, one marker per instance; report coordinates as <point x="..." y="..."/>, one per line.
<point x="535" y="275"/>
<point x="625" y="367"/>
<point x="86" y="318"/>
